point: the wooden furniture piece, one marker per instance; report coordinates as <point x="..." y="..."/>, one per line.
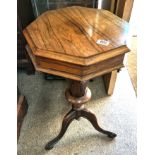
<point x="122" y="8"/>
<point x="22" y="107"/>
<point x="63" y="42"/>
<point x="127" y="10"/>
<point x="109" y="81"/>
<point x="40" y="7"/>
<point x="24" y="17"/>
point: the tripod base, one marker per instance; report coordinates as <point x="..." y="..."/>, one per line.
<point x="78" y="94"/>
<point x="76" y="114"/>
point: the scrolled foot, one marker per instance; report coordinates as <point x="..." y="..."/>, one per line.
<point x="112" y="135"/>
<point x="49" y="146"/>
<point x="92" y="118"/>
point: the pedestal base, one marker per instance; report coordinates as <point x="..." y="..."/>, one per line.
<point x="76" y="114"/>
<point x="78" y="94"/>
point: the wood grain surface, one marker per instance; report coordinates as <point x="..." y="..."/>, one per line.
<point x="63" y="42"/>
<point x="109" y="81"/>
<point x="70" y="35"/>
<point x="75" y="72"/>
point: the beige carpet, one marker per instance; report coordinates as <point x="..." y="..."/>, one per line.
<point x="47" y="106"/>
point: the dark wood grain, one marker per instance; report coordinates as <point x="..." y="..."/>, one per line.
<point x="70" y="35"/>
<point x="78" y="94"/>
<point x="77" y="88"/>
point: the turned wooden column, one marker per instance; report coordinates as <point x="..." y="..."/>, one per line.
<point x="77" y="88"/>
<point x="78" y="93"/>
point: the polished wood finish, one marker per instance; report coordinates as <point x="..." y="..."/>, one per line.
<point x="78" y="88"/>
<point x="79" y="91"/>
<point x="64" y="41"/>
<point x="77" y="102"/>
<point x="73" y="31"/>
<point x="109" y="81"/>
<point x="75" y="72"/>
<point x="76" y="114"/>
<point x="122" y="8"/>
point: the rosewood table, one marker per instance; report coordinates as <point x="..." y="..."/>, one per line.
<point x="77" y="43"/>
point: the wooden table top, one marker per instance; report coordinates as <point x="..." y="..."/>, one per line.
<point x="70" y="35"/>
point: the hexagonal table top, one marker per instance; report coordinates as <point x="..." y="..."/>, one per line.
<point x="77" y="35"/>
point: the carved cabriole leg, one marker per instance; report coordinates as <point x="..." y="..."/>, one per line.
<point x="92" y="118"/>
<point x="69" y="117"/>
<point x="77" y="94"/>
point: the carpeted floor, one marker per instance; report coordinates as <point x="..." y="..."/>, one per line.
<point x="47" y="106"/>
